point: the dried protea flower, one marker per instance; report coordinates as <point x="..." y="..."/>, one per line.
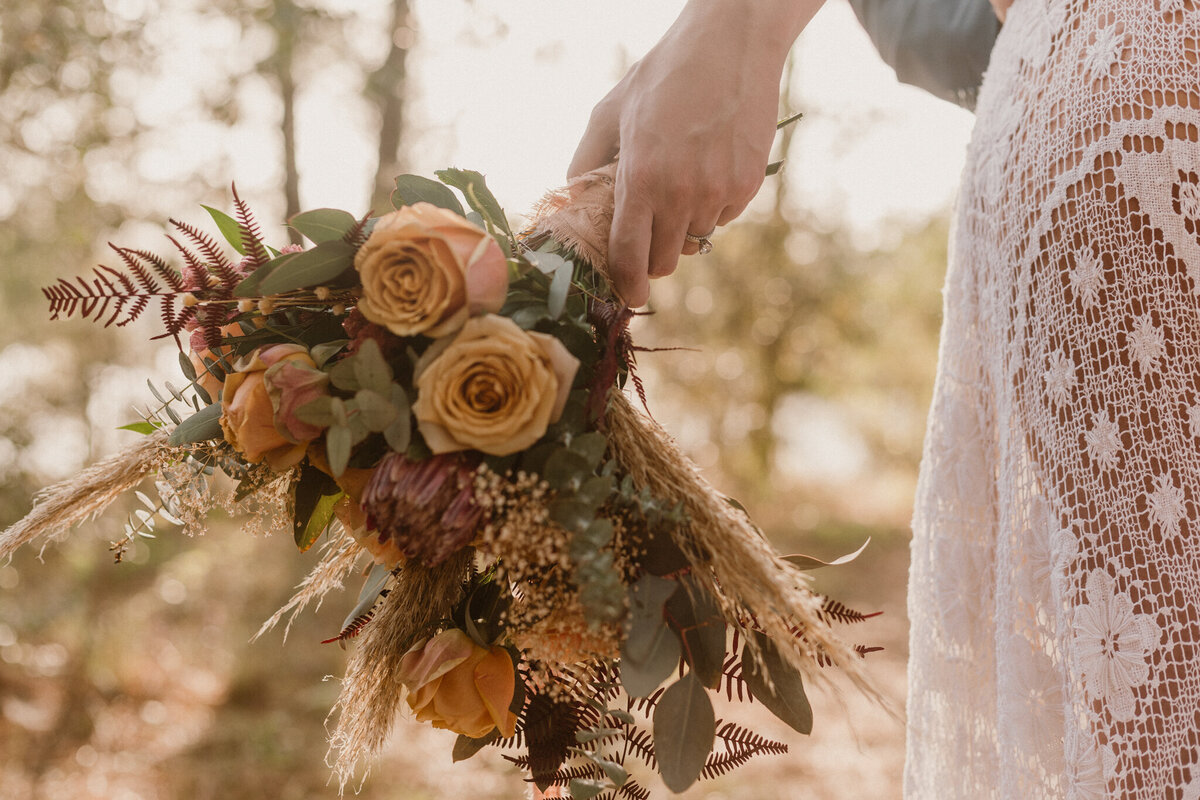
<point x="427" y="508"/>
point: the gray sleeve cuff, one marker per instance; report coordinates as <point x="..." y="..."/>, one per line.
<point x="942" y="46"/>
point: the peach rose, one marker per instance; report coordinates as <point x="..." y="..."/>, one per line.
<point x="494" y="387"/>
<point x="426" y="270"/>
<point x="247" y="414"/>
<point x="458" y="685"/>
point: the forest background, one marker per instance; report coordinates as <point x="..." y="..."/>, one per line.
<point x="810" y="336"/>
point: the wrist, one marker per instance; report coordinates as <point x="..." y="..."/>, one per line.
<point x="769" y="27"/>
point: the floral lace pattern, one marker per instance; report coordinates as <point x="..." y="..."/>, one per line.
<point x="1055" y="585"/>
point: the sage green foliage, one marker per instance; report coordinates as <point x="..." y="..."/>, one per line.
<point x="776" y="684"/>
<point x="651" y="650"/>
<point x="684" y="730"/>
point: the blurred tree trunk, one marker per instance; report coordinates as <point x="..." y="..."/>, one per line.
<point x="285" y="22"/>
<point x="386" y="89"/>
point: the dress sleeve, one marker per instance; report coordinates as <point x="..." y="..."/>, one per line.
<point x="942" y="46"/>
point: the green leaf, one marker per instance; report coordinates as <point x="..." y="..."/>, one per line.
<point x="318" y="412"/>
<point x="202" y="426"/>
<point x="338" y="443"/>
<point x="684" y="730"/>
<point x="321" y="353"/>
<point x="323" y="224"/>
<point x="374" y="410"/>
<point x="186" y="366"/>
<point x="465" y="746"/>
<point x="586" y="788"/>
<point x="774" y="167"/>
<point x="693" y="613"/>
<point x="344" y="376"/>
<point x="614" y="771"/>
<point x="786" y="699"/>
<point x="228" y="227"/>
<point x="251" y="285"/>
<point x="371" y="370"/>
<point x="313" y="267"/>
<point x="145" y="428"/>
<point x="479" y="197"/>
<point x="399" y="433"/>
<point x="556" y="301"/>
<point x="316" y="494"/>
<point x="591" y="446"/>
<point x="651" y="651"/>
<point x="412" y="189"/>
<point x="546" y="263"/>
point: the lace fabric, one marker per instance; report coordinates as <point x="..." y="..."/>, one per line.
<point x="1055" y="579"/>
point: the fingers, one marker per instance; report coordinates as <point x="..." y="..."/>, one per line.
<point x="702" y="226"/>
<point x="666" y="244"/>
<point x="629" y="247"/>
<point x="599" y="144"/>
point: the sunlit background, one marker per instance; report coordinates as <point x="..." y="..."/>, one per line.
<point x="809" y="341"/>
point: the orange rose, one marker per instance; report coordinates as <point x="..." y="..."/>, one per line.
<point x="426" y="270"/>
<point x="458" y="685"/>
<point x="494" y="387"/>
<point x="248" y="416"/>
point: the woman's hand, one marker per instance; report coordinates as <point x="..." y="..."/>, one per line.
<point x="693" y="123"/>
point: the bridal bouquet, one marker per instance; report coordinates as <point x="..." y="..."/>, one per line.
<point x="440" y="397"/>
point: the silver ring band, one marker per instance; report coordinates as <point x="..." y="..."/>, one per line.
<point x="702" y="242"/>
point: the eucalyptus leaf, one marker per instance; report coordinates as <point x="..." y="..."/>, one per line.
<point x="546" y="263"/>
<point x="556" y="301"/>
<point x="323" y="224"/>
<point x="228" y="227"/>
<point x="412" y="189"/>
<point x="344" y="376"/>
<point x="694" y="614"/>
<point x="784" y="694"/>
<point x="321" y="264"/>
<point x="586" y="788"/>
<point x="614" y="771"/>
<point x="203" y="426"/>
<point x="371" y="370"/>
<point x="338" y="444"/>
<point x="591" y="446"/>
<point x="186" y="366"/>
<point x="375" y="411"/>
<point x="651" y="650"/>
<point x="465" y="746"/>
<point x="399" y="433"/>
<point x="317" y="412"/>
<point x="684" y="730"/>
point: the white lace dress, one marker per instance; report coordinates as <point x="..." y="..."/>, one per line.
<point x="1055" y="586"/>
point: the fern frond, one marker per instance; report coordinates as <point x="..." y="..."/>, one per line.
<point x="863" y="651"/>
<point x="356" y="236"/>
<point x="214" y="257"/>
<point x="252" y="242"/>
<point x="737" y="737"/>
<point x="835" y="611"/>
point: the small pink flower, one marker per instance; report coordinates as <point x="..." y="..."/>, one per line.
<point x="290" y="385"/>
